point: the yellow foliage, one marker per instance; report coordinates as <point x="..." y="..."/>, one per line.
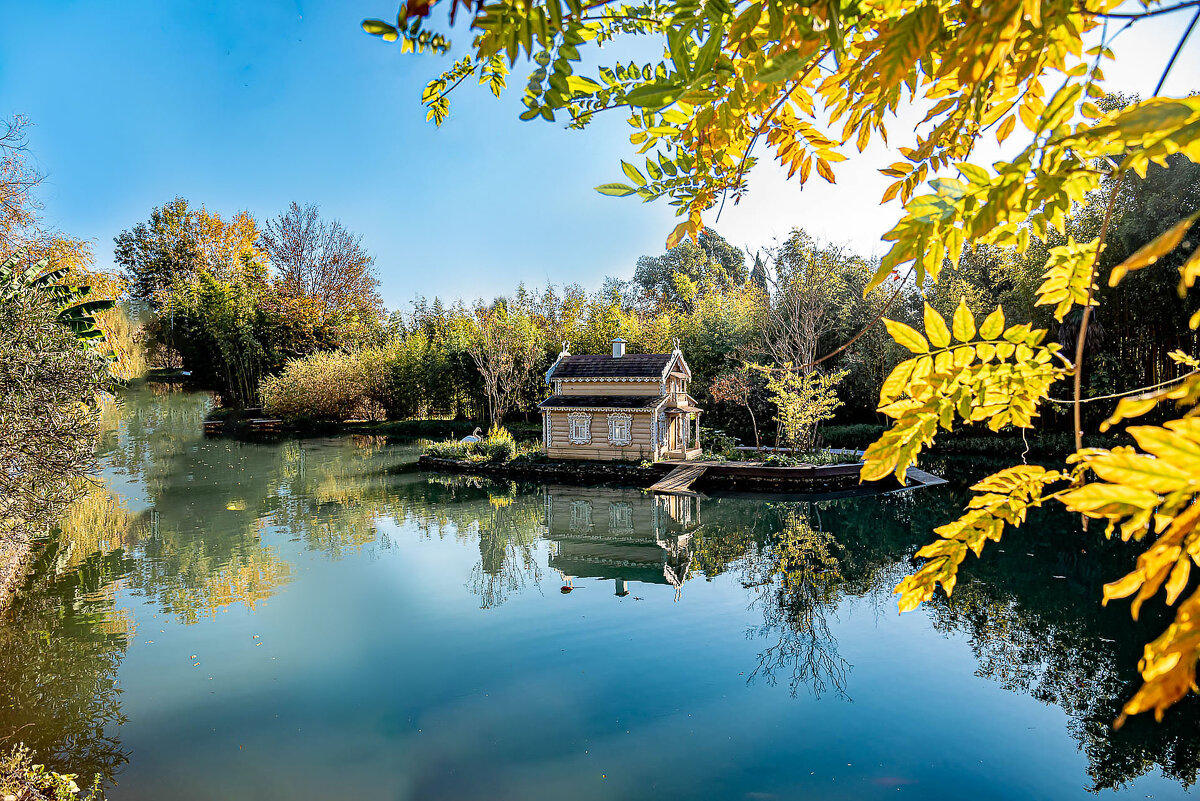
<point x="995" y="375"/>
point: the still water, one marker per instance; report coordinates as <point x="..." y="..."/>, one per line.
<point x="318" y="619"/>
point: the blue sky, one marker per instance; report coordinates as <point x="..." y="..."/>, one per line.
<point x="250" y="105"/>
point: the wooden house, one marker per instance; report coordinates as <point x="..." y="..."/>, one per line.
<point x="623" y="406"/>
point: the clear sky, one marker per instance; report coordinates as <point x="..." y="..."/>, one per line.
<point x="250" y="105"/>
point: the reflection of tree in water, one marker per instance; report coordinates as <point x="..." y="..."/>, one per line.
<point x="508" y="534"/>
<point x="1043" y="633"/>
<point x="60" y="695"/>
<point x="1030" y="611"/>
<point x="201" y="548"/>
<point x="797" y="580"/>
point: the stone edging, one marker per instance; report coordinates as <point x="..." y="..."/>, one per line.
<point x="731" y="475"/>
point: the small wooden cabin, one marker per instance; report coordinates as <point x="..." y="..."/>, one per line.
<point x="623" y="406"/>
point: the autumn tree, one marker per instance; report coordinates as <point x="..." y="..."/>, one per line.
<point x="321" y="260"/>
<point x="735" y="386"/>
<point x="179" y="243"/>
<point x="737" y="75"/>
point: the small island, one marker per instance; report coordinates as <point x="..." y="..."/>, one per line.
<point x="628" y="419"/>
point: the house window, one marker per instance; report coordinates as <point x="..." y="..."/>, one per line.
<point x="620" y="517"/>
<point x="580" y="428"/>
<point x="620" y="429"/>
<point x="581" y="515"/>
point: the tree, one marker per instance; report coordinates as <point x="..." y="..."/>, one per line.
<point x="18" y="179"/>
<point x="180" y="243"/>
<point x="735" y="387"/>
<point x="505" y="349"/>
<point x="804" y="399"/>
<point x="810" y="285"/>
<point x="734" y="75"/>
<point x="675" y="278"/>
<point x="321" y="260"/>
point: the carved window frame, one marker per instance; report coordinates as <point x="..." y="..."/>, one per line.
<point x="580" y="434"/>
<point x="581" y="515"/>
<point x="615" y="421"/>
<point x="620" y="516"/>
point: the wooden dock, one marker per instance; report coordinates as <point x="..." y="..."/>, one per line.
<point x="252" y="425"/>
<point x="679" y="480"/>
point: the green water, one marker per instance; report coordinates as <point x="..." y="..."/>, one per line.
<point x="318" y="619"/>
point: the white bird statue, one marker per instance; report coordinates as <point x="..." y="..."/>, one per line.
<point x="474" y="436"/>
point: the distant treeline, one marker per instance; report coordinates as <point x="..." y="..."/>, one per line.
<point x="289" y="313"/>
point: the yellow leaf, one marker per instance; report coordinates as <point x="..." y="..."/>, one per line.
<point x="993" y="325"/>
<point x="1005" y="129"/>
<point x="825" y="171"/>
<point x="1122" y="587"/>
<point x="896" y="381"/>
<point x="964" y="322"/>
<point x="907" y="336"/>
<point x="1108" y="500"/>
<point x="935" y="328"/>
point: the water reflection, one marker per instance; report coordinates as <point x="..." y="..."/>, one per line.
<point x="194" y="528"/>
<point x="625" y="535"/>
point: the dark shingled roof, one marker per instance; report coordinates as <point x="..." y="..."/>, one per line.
<point x="649" y="366"/>
<point x="632" y="402"/>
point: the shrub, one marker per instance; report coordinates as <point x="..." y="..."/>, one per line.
<point x="328" y="386"/>
<point x="50" y="383"/>
<point x="446" y="449"/>
<point x="21" y="778"/>
<point x="499" y="450"/>
<point x="719" y="444"/>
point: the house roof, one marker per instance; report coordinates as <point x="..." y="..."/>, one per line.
<point x="630" y="402"/>
<point x="635" y="366"/>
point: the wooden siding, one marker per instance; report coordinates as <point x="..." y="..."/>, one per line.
<point x="637" y="388"/>
<point x="561" y="446"/>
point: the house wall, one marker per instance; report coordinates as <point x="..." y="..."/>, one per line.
<point x="561" y="446"/>
<point x="624" y="388"/>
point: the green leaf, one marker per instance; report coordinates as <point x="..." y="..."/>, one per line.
<point x="781" y="67"/>
<point x="654" y="95"/>
<point x="616" y="190"/>
<point x="377" y="27"/>
<point x="633" y="173"/>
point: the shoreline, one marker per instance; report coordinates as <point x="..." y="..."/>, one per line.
<point x="839" y="479"/>
<point x="15" y="561"/>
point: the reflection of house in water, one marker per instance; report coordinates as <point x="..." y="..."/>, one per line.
<point x="621" y="534"/>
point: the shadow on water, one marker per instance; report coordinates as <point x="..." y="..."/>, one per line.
<point x="192" y="527"/>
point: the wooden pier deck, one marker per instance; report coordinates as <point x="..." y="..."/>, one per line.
<point x="679" y="480"/>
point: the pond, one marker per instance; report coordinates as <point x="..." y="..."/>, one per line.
<point x="319" y="619"/>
